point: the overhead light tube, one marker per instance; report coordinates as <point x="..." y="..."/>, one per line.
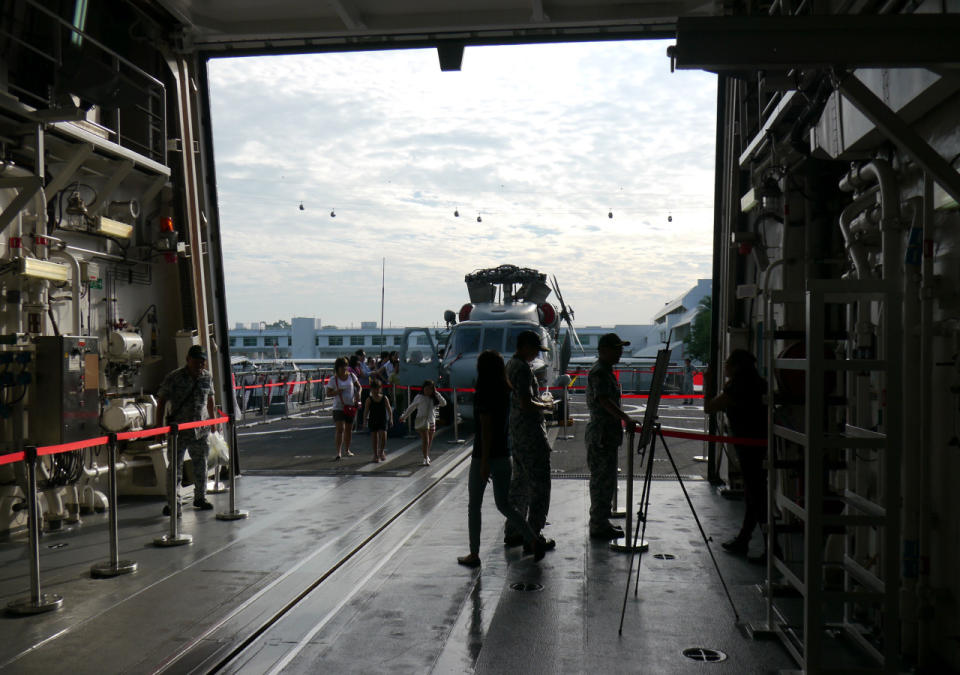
<point x="114" y="228"/>
<point x="43" y="269"/>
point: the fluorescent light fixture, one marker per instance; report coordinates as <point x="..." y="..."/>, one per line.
<point x="749" y="201"/>
<point x="114" y="228"/>
<point x="43" y="269"/>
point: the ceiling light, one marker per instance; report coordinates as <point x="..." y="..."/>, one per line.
<point x="114" y="228"/>
<point x="43" y="269"/>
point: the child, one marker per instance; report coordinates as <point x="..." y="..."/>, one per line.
<point x="376" y="414"/>
<point x="426" y="404"/>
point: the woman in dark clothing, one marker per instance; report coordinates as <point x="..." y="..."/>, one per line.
<point x="491" y="456"/>
<point x="742" y="401"/>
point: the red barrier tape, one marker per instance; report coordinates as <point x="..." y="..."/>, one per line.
<point x="146" y="433"/>
<point x="203" y="423"/>
<point x="683" y="396"/>
<point x="68" y="447"/>
<point x="12" y="458"/>
<point x="695" y="436"/>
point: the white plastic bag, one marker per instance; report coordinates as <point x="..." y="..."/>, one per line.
<point x="218" y="447"/>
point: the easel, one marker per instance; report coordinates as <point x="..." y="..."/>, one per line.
<point x="650" y="431"/>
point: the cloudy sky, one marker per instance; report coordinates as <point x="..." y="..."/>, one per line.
<point x="540" y="141"/>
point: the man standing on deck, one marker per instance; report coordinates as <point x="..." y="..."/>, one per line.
<point x="604" y="435"/>
<point x="188" y="390"/>
<point x="530" y="485"/>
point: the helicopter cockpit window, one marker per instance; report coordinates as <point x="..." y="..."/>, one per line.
<point x="493" y="339"/>
<point x="465" y="341"/>
<point x="418" y="349"/>
<point x="512" y="334"/>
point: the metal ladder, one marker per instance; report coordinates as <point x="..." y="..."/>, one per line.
<point x="865" y="607"/>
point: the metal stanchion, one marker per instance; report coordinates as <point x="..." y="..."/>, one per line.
<point x="113" y="567"/>
<point x="234" y="513"/>
<point x="624" y="544"/>
<point x="174" y="537"/>
<point x="566" y="409"/>
<point x="456" y="415"/>
<point x="38" y="602"/>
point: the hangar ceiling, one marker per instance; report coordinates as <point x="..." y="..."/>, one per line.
<point x="285" y="25"/>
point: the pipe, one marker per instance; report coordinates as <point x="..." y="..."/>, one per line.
<point x="857" y="254"/>
<point x="926" y="420"/>
<point x="75" y="299"/>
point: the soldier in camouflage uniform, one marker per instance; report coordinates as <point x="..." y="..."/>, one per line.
<point x="530" y="485"/>
<point x="189" y="390"/>
<point x="604" y="434"/>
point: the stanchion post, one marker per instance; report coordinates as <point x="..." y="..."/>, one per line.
<point x="37" y="602"/>
<point x="234" y="513"/>
<point x="615" y="510"/>
<point x="174" y="537"/>
<point x="566" y="410"/>
<point x="624" y="544"/>
<point x="456" y="421"/>
<point x="113" y="567"/>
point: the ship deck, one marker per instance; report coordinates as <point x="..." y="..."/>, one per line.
<point x="353" y="569"/>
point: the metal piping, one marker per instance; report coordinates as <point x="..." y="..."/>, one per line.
<point x="926" y="422"/>
<point x="857" y="254"/>
<point x="75" y="298"/>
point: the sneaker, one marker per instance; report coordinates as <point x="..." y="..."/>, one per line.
<point x="202" y="504"/>
<point x="424" y="462"/>
<point x="428" y="461"/>
<point x="512" y="540"/>
<point x="736" y="546"/>
<point x="166" y="510"/>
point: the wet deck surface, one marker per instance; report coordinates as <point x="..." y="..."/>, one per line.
<point x="357" y="573"/>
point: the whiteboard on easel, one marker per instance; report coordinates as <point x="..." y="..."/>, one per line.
<point x="656" y="391"/>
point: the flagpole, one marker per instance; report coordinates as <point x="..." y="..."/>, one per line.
<point x="383" y="286"/>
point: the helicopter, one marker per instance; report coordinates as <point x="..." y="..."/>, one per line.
<point x="504" y="302"/>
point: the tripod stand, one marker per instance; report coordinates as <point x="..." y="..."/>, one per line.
<point x="644" y="512"/>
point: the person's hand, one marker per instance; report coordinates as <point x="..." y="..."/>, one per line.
<point x="632" y="425"/>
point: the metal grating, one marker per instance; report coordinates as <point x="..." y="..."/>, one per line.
<point x="664" y="556"/>
<point x="704" y="655"/>
<point x="520" y="586"/>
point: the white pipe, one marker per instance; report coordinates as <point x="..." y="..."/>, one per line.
<point x="75" y="299"/>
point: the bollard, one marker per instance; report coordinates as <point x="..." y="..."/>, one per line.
<point x="566" y="411"/>
<point x="38" y="602"/>
<point x="624" y="544"/>
<point x="233" y="513"/>
<point x="456" y="419"/>
<point x="113" y="567"/>
<point x="174" y="537"/>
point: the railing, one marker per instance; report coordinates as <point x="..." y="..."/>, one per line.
<point x="137" y="95"/>
<point x="38" y="602"/>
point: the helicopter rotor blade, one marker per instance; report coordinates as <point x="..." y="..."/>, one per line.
<point x="566" y="313"/>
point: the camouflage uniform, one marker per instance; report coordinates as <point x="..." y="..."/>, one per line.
<point x="604" y="435"/>
<point x="188" y="400"/>
<point x="530" y="484"/>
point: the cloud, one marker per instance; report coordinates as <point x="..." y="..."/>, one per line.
<point x="541" y="141"/>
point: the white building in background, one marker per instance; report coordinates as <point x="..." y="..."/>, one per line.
<point x="675" y="321"/>
<point x="306" y="338"/>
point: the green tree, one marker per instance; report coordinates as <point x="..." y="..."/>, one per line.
<point x="697" y="341"/>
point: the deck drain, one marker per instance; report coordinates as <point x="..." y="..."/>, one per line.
<point x="705" y="655"/>
<point x="664" y="556"/>
<point x="520" y="586"/>
<point x="60" y="545"/>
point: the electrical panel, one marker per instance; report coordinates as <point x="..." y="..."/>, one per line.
<point x="65" y="402"/>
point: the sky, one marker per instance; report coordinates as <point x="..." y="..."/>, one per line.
<point x="541" y="142"/>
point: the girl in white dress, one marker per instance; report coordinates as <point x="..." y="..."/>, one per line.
<point x="425" y="404"/>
